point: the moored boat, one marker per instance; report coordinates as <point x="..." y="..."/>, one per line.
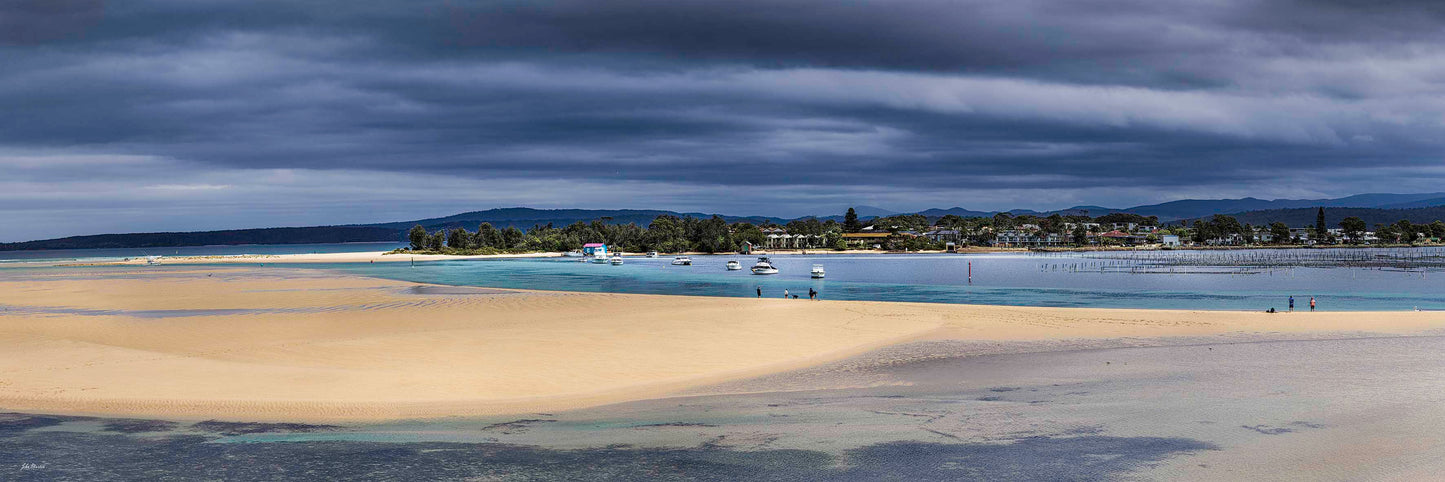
<point x="818" y="271"/>
<point x="652" y="254"/>
<point x="682" y="261"/>
<point x="764" y="266"/>
<point x="734" y="265"/>
<point x="616" y="260"/>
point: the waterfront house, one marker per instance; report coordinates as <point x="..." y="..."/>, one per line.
<point x="594" y="249"/>
<point x="944" y="235"/>
<point x="865" y="240"/>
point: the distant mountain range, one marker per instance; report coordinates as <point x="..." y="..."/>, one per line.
<point x="1197" y="208"/>
<point x="1373" y="208"/>
<point x="1300" y="217"/>
<point x="525" y="218"/>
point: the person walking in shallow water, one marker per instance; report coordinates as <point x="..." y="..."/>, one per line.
<point x="1312" y="303"/>
<point x="1291" y="303"/>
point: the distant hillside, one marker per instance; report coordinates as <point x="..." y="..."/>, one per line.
<point x="1374" y="208"/>
<point x="956" y="211"/>
<point x="523" y="218"/>
<point x="1301" y="217"/>
<point x="1196" y="208"/>
<point x="312" y="235"/>
<point x="526" y="218"/>
<point x="1424" y="203"/>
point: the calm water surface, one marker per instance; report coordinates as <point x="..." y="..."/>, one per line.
<point x="1001" y="279"/>
<point x="1024" y="279"/>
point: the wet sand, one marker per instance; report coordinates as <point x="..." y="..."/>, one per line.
<point x="1285" y="406"/>
<point x="241" y="343"/>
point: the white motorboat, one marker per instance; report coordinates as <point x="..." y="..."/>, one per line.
<point x="764" y="266"/>
<point x="682" y="261"/>
<point x="652" y="254"/>
<point x="733" y="265"/>
<point x="599" y="259"/>
<point x="616" y="260"/>
<point x="818" y="271"/>
<point x="574" y="254"/>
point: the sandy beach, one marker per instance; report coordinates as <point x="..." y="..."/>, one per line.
<point x="291" y="344"/>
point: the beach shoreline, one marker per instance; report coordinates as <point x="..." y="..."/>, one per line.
<point x="402" y="256"/>
<point x="232" y="342"/>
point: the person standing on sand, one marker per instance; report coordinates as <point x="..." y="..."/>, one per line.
<point x="785" y="293"/>
<point x="1312" y="303"/>
<point x="760" y="292"/>
<point x="1291" y="303"/>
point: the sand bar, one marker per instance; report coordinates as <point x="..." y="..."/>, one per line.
<point x="241" y="343"/>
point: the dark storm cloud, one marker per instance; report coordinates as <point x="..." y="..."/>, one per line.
<point x="774" y="107"/>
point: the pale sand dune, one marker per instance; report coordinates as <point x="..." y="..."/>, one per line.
<point x="323" y="347"/>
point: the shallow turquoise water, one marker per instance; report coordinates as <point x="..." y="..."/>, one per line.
<point x="1001" y="279"/>
<point x="1023" y="279"/>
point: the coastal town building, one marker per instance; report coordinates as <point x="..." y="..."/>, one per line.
<point x="939" y="235"/>
<point x="865" y="240"/>
<point x="779" y="238"/>
<point x="594" y="249"/>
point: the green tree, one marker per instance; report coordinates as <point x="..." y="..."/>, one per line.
<point x="1054" y="224"/>
<point x="1437" y="229"/>
<point x="436" y="241"/>
<point x="1386" y="233"/>
<point x="417" y="236"/>
<point x="1354" y="228"/>
<point x="1280" y="232"/>
<point x="1081" y="235"/>
<point x="1321" y="231"/>
<point x="850" y="222"/>
<point x="458" y="238"/>
<point x="487" y="237"/>
<point x="1002" y="221"/>
<point x="1406" y="231"/>
<point x="511" y="237"/>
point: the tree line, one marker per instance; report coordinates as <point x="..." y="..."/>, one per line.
<point x="672" y="234"/>
<point x="1352" y="230"/>
<point x="667" y="233"/>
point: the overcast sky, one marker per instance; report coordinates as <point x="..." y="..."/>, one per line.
<point x="204" y="114"/>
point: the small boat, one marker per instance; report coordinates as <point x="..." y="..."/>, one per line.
<point x="682" y="261"/>
<point x="573" y="254"/>
<point x="733" y="265"/>
<point x="616" y="260"/>
<point x="652" y="254"/>
<point x="764" y="266"/>
<point x="818" y="271"/>
<point x="599" y="259"/>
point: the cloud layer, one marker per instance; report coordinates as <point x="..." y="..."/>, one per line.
<point x="169" y="114"/>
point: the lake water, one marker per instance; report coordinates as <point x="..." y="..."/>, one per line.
<point x="998" y="279"/>
<point x="1191" y="279"/>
